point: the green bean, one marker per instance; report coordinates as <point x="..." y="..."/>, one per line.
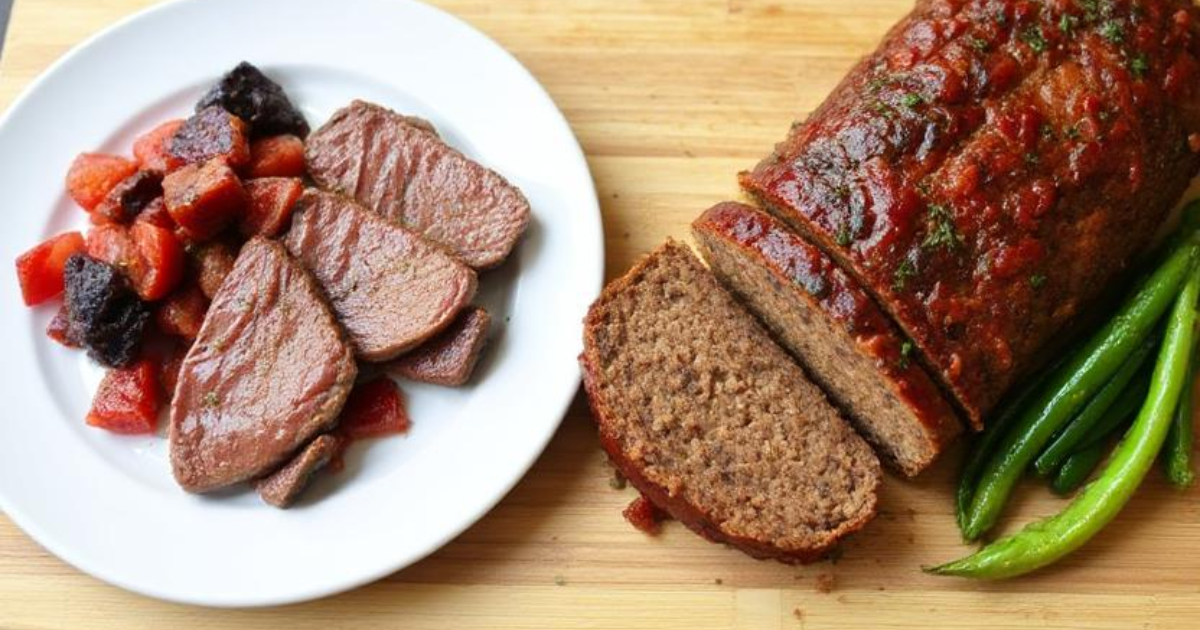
<point x="1075" y="383"/>
<point x="1177" y="455"/>
<point x="1044" y="542"/>
<point x="1083" y="423"/>
<point x="1076" y="468"/>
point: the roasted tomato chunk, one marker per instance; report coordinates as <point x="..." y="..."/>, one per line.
<point x="270" y="207"/>
<point x="248" y="93"/>
<point x="276" y="156"/>
<point x="129" y="198"/>
<point x="40" y="270"/>
<point x="127" y="399"/>
<point x="105" y="314"/>
<point x="182" y="313"/>
<point x="150" y="149"/>
<point x="93" y="175"/>
<point x="150" y="256"/>
<point x="209" y="134"/>
<point x="374" y="408"/>
<point x="203" y="199"/>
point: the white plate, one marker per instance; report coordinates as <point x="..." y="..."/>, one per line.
<point x="107" y="504"/>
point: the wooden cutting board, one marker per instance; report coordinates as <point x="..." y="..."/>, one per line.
<point x="670" y="99"/>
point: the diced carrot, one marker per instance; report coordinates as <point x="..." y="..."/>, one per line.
<point x="92" y="175"/>
<point x="40" y="270"/>
<point x="150" y="256"/>
<point x="150" y="149"/>
<point x="374" y="408"/>
<point x="182" y="313"/>
<point x="156" y="214"/>
<point x="211" y="133"/>
<point x="270" y="207"/>
<point x="127" y="400"/>
<point x="276" y="156"/>
<point x="203" y="199"/>
<point x="59" y="328"/>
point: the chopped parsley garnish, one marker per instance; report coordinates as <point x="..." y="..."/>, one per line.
<point x="942" y="232"/>
<point x="1037" y="280"/>
<point x="1112" y="31"/>
<point x="1090" y="8"/>
<point x="1047" y="131"/>
<point x="1139" y="65"/>
<point x="881" y="108"/>
<point x="211" y="399"/>
<point x="1072" y="132"/>
<point x="1033" y="36"/>
<point x="911" y="100"/>
<point x="906" y="349"/>
<point x="903" y="273"/>
<point x="1031" y="158"/>
<point x="1067" y="23"/>
<point x="876" y="84"/>
<point x="978" y="43"/>
<point x="843" y="235"/>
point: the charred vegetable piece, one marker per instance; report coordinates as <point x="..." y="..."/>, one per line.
<point x="59" y="328"/>
<point x="374" y="408"/>
<point x="150" y="149"/>
<point x="40" y="270"/>
<point x="129" y="198"/>
<point x="93" y="175"/>
<point x="203" y="199"/>
<point x="209" y="134"/>
<point x="182" y="313"/>
<point x="127" y="400"/>
<point x="156" y="214"/>
<point x="246" y="92"/>
<point x="276" y="156"/>
<point x="270" y="207"/>
<point x="211" y="262"/>
<point x="150" y="256"/>
<point x="106" y="316"/>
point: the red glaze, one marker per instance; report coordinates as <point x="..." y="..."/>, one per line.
<point x="992" y="166"/>
<point x="816" y="278"/>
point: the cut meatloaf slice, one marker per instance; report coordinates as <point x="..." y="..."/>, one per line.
<point x="282" y="487"/>
<point x="847" y="344"/>
<point x="397" y="166"/>
<point x="269" y="370"/>
<point x="390" y="288"/>
<point x="712" y="421"/>
<point x="449" y="358"/>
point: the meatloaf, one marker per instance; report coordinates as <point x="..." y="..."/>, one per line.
<point x="390" y="288"/>
<point x="397" y="166"/>
<point x="844" y="341"/>
<point x="713" y="422"/>
<point x="449" y="358"/>
<point x="269" y="370"/>
<point x="992" y="165"/>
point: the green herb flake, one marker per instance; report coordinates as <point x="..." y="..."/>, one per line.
<point x="903" y="274"/>
<point x="1047" y="132"/>
<point x="906" y="350"/>
<point x="942" y="233"/>
<point x="1037" y="280"/>
<point x="1034" y="38"/>
<point x="1031" y="158"/>
<point x="1072" y="132"/>
<point x="911" y="100"/>
<point x="1139" y="65"/>
<point x="211" y="399"/>
<point x="1112" y="31"/>
<point x="1067" y="23"/>
<point x="881" y="108"/>
<point x="978" y="43"/>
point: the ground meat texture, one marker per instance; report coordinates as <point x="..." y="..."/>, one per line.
<point x="992" y="166"/>
<point x="104" y="313"/>
<point x="249" y="94"/>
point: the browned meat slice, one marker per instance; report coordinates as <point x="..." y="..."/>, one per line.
<point x="390" y="288"/>
<point x="269" y="370"/>
<point x="282" y="487"/>
<point x="449" y="358"/>
<point x="396" y="166"/>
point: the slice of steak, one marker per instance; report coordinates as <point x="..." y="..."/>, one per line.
<point x="449" y="358"/>
<point x="397" y="167"/>
<point x="269" y="370"/>
<point x="282" y="487"/>
<point x="390" y="288"/>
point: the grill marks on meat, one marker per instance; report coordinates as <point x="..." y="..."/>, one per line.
<point x="985" y="176"/>
<point x="398" y="167"/>
<point x="269" y="370"/>
<point x="391" y="289"/>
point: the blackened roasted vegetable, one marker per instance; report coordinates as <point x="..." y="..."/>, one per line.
<point x="247" y="93"/>
<point x="211" y="133"/>
<point x="105" y="315"/>
<point x="128" y="198"/>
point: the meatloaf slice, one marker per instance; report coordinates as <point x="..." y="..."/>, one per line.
<point x="390" y="288"/>
<point x="282" y="487"/>
<point x="449" y="358"/>
<point x="269" y="370"/>
<point x="842" y="338"/>
<point x="712" y="421"/>
<point x="397" y="166"/>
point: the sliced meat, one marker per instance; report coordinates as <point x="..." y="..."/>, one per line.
<point x="391" y="289"/>
<point x="713" y="422"/>
<point x="397" y="167"/>
<point x="450" y="357"/>
<point x="282" y="487"/>
<point x="269" y="370"/>
<point x="841" y="337"/>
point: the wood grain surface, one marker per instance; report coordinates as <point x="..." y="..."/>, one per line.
<point x="669" y="99"/>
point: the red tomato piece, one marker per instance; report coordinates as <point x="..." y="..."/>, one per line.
<point x="40" y="270"/>
<point x="276" y="156"/>
<point x="93" y="175"/>
<point x="270" y="207"/>
<point x="182" y="313"/>
<point x="203" y="198"/>
<point x="150" y="256"/>
<point x="150" y="149"/>
<point x="59" y="328"/>
<point x="127" y="400"/>
<point x="374" y="408"/>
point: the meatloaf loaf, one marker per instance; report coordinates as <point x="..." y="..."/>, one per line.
<point x="992" y="165"/>
<point x="398" y="167"/>
<point x="712" y="421"/>
<point x="837" y="332"/>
